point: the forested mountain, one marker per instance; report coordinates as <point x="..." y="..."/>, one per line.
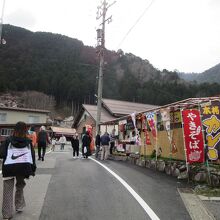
<point x="211" y="75"/>
<point x="66" y="69"/>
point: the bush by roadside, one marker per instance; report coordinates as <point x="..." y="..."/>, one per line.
<point x="207" y="191"/>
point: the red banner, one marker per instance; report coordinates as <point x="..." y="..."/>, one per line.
<point x="194" y="143"/>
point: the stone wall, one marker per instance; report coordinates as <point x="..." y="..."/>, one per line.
<point x="178" y="169"/>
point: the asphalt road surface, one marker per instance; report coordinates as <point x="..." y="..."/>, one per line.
<point x="85" y="189"/>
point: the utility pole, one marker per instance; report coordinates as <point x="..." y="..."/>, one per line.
<point x="2" y="41"/>
<point x="101" y="13"/>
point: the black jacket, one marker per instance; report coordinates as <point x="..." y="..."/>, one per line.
<point x="97" y="140"/>
<point x="86" y="140"/>
<point x="18" y="169"/>
<point x="75" y="143"/>
<point x="42" y="137"/>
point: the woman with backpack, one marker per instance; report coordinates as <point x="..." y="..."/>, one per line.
<point x="18" y="164"/>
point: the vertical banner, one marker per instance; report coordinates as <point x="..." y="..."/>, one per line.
<point x="211" y="122"/>
<point x="165" y="118"/>
<point x="146" y="133"/>
<point x="193" y="138"/>
<point x="152" y="122"/>
<point x="138" y="139"/>
<point x="147" y="136"/>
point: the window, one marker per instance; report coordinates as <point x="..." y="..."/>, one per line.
<point x="33" y="119"/>
<point x="3" y="117"/>
<point x="6" y="131"/>
<point x="85" y="116"/>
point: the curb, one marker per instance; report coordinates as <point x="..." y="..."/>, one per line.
<point x="205" y="198"/>
<point x="194" y="205"/>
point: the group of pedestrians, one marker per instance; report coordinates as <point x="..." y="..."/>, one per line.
<point x="106" y="142"/>
<point x="19" y="164"/>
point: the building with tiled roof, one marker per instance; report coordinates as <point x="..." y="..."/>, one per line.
<point x="9" y="116"/>
<point x="111" y="109"/>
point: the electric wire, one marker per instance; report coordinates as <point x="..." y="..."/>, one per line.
<point x="146" y="9"/>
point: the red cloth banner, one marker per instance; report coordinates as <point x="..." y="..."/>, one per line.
<point x="147" y="138"/>
<point x="194" y="143"/>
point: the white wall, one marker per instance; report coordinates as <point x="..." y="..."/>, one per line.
<point x="12" y="117"/>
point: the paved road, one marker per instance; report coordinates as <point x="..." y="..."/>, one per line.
<point x="67" y="188"/>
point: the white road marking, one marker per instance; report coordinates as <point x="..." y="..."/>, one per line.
<point x="143" y="204"/>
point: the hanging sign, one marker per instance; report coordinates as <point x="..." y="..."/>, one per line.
<point x="193" y="138"/>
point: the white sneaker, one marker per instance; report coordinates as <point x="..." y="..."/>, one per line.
<point x="74" y="157"/>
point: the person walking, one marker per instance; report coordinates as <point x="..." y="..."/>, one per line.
<point x="53" y="142"/>
<point x="112" y="141"/>
<point x="33" y="136"/>
<point x="42" y="141"/>
<point x="86" y="140"/>
<point x="18" y="164"/>
<point x="105" y="146"/>
<point x="75" y="145"/>
<point x="97" y="144"/>
<point x="62" y="141"/>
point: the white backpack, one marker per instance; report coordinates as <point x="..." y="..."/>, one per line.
<point x="18" y="155"/>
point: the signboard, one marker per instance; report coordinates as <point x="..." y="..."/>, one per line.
<point x="193" y="138"/>
<point x="211" y="123"/>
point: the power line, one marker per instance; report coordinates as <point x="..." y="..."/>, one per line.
<point x="135" y="23"/>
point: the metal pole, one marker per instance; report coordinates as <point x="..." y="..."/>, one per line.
<point x="187" y="164"/>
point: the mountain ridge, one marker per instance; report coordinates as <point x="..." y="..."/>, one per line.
<point x="66" y="69"/>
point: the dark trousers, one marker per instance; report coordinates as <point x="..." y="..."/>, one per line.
<point x="76" y="151"/>
<point x="112" y="145"/>
<point x="97" y="151"/>
<point x="62" y="146"/>
<point x="41" y="147"/>
<point x="88" y="153"/>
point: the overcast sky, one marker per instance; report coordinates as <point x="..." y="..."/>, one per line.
<point x="171" y="34"/>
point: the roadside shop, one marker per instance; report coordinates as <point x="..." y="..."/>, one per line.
<point x="174" y="138"/>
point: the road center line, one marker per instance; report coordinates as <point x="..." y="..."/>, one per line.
<point x="143" y="204"/>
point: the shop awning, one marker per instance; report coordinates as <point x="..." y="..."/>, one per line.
<point x="63" y="131"/>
